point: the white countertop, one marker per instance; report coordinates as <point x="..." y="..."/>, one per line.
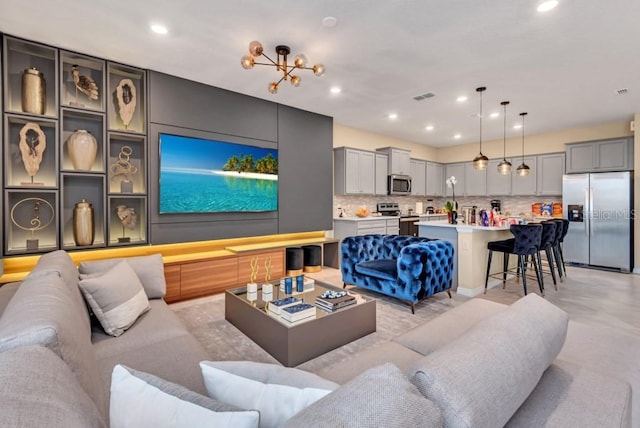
<point x="461" y="226"/>
<point x="356" y="218"/>
<point x="432" y="215"/>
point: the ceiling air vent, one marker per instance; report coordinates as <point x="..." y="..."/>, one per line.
<point x="623" y="91"/>
<point x="424" y="96"/>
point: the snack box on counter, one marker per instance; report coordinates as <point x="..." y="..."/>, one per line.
<point x="547" y="209"/>
<point x="298" y="312"/>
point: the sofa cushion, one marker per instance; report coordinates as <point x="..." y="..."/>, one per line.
<point x="381" y="268"/>
<point x="43" y="312"/>
<point x="6" y="294"/>
<point x="565" y="393"/>
<point x="380" y="397"/>
<point x="276" y="402"/>
<point x="116" y="297"/>
<point x="481" y="378"/>
<point x="448" y="326"/>
<point x="150" y="270"/>
<point x="140" y="399"/>
<point x="39" y="390"/>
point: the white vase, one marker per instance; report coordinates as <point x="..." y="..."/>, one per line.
<point x="82" y="148"/>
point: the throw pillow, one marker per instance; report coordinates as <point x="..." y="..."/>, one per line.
<point x="379" y="397"/>
<point x="150" y="271"/>
<point x="39" y="390"/>
<point x="141" y="399"/>
<point x="276" y="402"/>
<point x="115" y="297"/>
<point x="482" y="378"/>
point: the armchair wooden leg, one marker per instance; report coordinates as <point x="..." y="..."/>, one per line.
<point x="449" y="292"/>
<point x="344" y="285"/>
<point x="413" y="308"/>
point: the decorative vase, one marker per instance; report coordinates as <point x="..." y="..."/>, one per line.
<point x="34" y="93"/>
<point x="83" y="148"/>
<point x="83" y="225"/>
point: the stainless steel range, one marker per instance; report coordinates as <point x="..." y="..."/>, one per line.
<point x="388" y="208"/>
<point x="407" y="226"/>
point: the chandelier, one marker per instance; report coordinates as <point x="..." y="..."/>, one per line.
<point x="300" y="63"/>
<point x="523" y="169"/>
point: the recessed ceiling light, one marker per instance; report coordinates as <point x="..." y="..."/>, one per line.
<point x="494" y="115"/>
<point x="457" y="136"/>
<point x="547" y="5"/>
<point x="393" y="116"/>
<point x="429" y="127"/>
<point x="159" y="29"/>
<point x="336" y="90"/>
<point x="329" y="21"/>
<point x="517" y="126"/>
<point x="461" y="98"/>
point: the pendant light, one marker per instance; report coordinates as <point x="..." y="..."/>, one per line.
<point x="480" y="161"/>
<point x="523" y="169"/>
<point x="504" y="167"/>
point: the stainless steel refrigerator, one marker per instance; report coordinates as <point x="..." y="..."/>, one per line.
<point x="599" y="207"/>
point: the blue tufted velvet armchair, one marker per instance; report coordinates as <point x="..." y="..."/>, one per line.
<point x="406" y="267"/>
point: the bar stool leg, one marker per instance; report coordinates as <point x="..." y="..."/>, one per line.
<point x="550" y="259"/>
<point x="558" y="264"/>
<point x="522" y="261"/>
<point x="538" y="266"/>
<point x="505" y="268"/>
<point x="486" y="278"/>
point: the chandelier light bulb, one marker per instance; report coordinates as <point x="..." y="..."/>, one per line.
<point x="273" y="87"/>
<point x="295" y="81"/>
<point x="255" y="48"/>
<point x="247" y="62"/>
<point x="319" y="70"/>
<point x="301" y="61"/>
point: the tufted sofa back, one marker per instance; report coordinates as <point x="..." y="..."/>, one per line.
<point x="393" y="244"/>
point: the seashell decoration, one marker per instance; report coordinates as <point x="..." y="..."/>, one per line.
<point x="127" y="98"/>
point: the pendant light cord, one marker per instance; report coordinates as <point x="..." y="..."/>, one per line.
<point x="481" y="121"/>
<point x="522" y="114"/>
<point x="504" y="134"/>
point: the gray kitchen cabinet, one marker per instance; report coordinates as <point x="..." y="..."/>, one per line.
<point x="381" y="174"/>
<point x="353" y="226"/>
<point x="498" y="184"/>
<point x="456" y="170"/>
<point x="435" y="179"/>
<point x="604" y="155"/>
<point x="399" y="160"/>
<point x="354" y="171"/>
<point x="549" y="174"/>
<point x="418" y="177"/>
<point x="475" y="180"/>
<point x="524" y="185"/>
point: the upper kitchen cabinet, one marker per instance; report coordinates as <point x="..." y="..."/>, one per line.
<point x="381" y="173"/>
<point x="455" y="170"/>
<point x="399" y="160"/>
<point x="418" y="177"/>
<point x="603" y="155"/>
<point x="354" y="171"/>
<point x="475" y="180"/>
<point x="549" y="174"/>
<point x="497" y="184"/>
<point x="524" y="185"/>
<point x="435" y="179"/>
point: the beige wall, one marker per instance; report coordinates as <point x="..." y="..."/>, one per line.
<point x="636" y="197"/>
<point x="534" y="144"/>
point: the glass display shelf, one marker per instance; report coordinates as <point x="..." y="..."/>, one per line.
<point x="82" y="81"/>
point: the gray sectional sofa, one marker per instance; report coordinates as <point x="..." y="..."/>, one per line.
<point x="481" y="364"/>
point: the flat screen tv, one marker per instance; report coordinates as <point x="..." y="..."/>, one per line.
<point x="206" y="176"/>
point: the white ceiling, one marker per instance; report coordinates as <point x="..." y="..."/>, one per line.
<point x="562" y="67"/>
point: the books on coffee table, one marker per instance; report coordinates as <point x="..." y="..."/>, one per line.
<point x="298" y="312"/>
<point x="334" y="302"/>
<point x="277" y="306"/>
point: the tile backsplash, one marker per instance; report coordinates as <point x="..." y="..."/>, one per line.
<point x="510" y="204"/>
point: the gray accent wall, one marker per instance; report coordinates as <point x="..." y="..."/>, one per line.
<point x="304" y="141"/>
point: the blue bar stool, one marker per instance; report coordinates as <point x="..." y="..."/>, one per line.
<point x="526" y="243"/>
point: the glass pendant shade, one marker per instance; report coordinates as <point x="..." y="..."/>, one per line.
<point x="301" y="61"/>
<point x="523" y="170"/>
<point x="295" y="81"/>
<point x="273" y="87"/>
<point x="504" y="167"/>
<point x="480" y="161"/>
<point x="255" y="48"/>
<point x="247" y="62"/>
<point x="319" y="70"/>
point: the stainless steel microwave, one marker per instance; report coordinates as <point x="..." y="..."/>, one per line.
<point x="399" y="185"/>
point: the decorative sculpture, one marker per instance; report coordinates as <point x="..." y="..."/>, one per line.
<point x="84" y="84"/>
<point x="124" y="168"/>
<point x="32" y="144"/>
<point x="128" y="219"/>
<point x="34" y="91"/>
<point x="83" y="224"/>
<point x="35" y="222"/>
<point x="127" y="99"/>
<point x="83" y="149"/>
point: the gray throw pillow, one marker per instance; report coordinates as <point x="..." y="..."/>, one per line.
<point x="116" y="297"/>
<point x="482" y="378"/>
<point x="150" y="271"/>
<point x="380" y="397"/>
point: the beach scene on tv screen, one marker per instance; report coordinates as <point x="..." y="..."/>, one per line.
<point x="198" y="175"/>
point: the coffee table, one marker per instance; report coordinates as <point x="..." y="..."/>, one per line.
<point x="295" y="343"/>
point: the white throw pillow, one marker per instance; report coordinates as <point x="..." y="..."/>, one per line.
<point x="275" y="402"/>
<point x="116" y="297"/>
<point x="143" y="400"/>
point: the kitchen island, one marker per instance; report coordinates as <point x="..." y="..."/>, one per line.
<point x="470" y="247"/>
